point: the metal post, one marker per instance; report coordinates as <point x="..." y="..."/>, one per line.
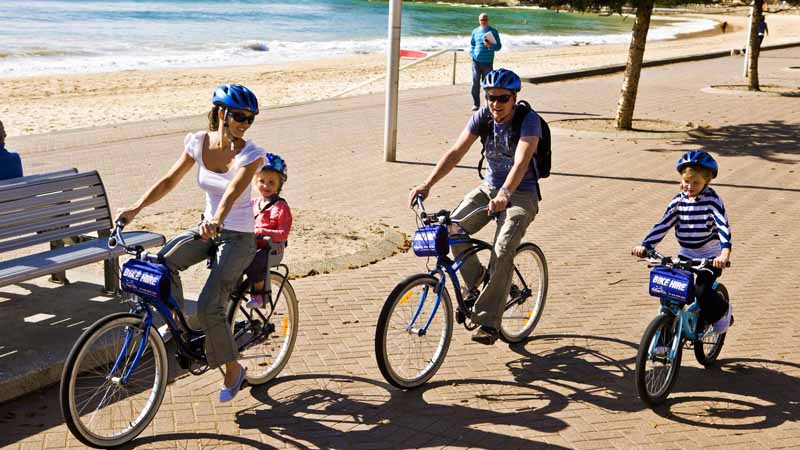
<point x="747" y="36"/>
<point x="455" y="59"/>
<point x="392" y="81"/>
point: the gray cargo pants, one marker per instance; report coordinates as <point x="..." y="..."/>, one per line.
<point x="511" y="228"/>
<point x="235" y="251"/>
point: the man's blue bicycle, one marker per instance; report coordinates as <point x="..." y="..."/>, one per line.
<point x="115" y="376"/>
<point x="416" y="323"/>
<point x="676" y="327"/>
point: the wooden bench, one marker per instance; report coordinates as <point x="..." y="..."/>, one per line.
<point x="60" y="208"/>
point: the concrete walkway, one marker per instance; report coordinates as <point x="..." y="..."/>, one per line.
<point x="571" y="385"/>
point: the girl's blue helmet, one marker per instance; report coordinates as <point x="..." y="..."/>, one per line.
<point x="235" y="96"/>
<point x="698" y="158"/>
<point x="503" y="79"/>
<point x="276" y="163"/>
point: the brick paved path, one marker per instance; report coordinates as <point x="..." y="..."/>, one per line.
<point x="570" y="386"/>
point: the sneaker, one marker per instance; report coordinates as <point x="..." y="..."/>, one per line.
<point x="661" y="351"/>
<point x="485" y="335"/>
<point x="475" y="108"/>
<point x="256" y="301"/>
<point x="227" y="394"/>
<point x="722" y="325"/>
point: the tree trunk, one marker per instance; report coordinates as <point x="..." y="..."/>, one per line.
<point x="630" y="82"/>
<point x="755" y="46"/>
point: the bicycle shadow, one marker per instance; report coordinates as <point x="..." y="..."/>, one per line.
<point x="348" y="412"/>
<point x="593" y="376"/>
<point x="764" y="397"/>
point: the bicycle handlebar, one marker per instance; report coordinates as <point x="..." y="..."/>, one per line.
<point x="691" y="264"/>
<point x="443" y="216"/>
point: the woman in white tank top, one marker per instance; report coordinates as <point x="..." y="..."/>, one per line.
<point x="226" y="165"/>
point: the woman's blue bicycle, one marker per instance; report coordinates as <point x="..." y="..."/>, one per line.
<point x="115" y="376"/>
<point x="416" y="323"/>
<point x="676" y="327"/>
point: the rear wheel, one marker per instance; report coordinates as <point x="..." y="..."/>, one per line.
<point x="265" y="336"/>
<point x="656" y="373"/>
<point x="709" y="346"/>
<point x="407" y="356"/>
<point x="526" y="299"/>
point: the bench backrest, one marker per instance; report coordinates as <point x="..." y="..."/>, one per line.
<point x="51" y="207"/>
<point x="38" y="176"/>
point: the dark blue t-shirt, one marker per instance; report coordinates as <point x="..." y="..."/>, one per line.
<point x="10" y="164"/>
<point x="499" y="157"/>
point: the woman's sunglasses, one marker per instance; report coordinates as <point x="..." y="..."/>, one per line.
<point x="499" y="98"/>
<point x="242" y="117"/>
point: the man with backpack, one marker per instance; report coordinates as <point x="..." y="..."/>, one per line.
<point x="510" y="133"/>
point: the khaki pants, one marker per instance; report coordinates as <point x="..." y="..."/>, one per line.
<point x="511" y="228"/>
<point x="235" y="251"/>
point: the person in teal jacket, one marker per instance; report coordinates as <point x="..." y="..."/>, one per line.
<point x="484" y="42"/>
<point x="10" y="163"/>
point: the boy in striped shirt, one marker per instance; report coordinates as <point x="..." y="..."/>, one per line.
<point x="702" y="230"/>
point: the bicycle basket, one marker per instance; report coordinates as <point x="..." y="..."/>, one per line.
<point x="430" y="240"/>
<point x="672" y="284"/>
<point x="147" y="280"/>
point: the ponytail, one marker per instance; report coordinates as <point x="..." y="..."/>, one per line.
<point x="213" y="119"/>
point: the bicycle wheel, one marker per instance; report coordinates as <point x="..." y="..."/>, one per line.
<point x="98" y="407"/>
<point x="527" y="296"/>
<point x="407" y="357"/>
<point x="709" y="346"/>
<point x="655" y="373"/>
<point x="266" y="336"/>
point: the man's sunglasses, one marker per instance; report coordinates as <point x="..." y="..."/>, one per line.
<point x="242" y="117"/>
<point x="498" y="98"/>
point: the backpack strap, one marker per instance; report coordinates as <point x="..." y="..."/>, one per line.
<point x="269" y="205"/>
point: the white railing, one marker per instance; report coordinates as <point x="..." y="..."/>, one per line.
<point x="381" y="77"/>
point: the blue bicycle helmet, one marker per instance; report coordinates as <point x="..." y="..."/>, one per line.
<point x="503" y="79"/>
<point x="698" y="158"/>
<point x="235" y="96"/>
<point x="276" y="163"/>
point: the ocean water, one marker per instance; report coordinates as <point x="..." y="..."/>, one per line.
<point x="40" y="37"/>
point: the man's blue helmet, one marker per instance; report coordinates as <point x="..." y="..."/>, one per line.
<point x="235" y="96"/>
<point x="503" y="79"/>
<point x="698" y="158"/>
<point x="276" y="163"/>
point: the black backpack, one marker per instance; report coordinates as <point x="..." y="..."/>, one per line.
<point x="543" y="154"/>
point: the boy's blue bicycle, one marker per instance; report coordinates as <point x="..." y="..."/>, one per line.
<point x="416" y="323"/>
<point x="676" y="327"/>
<point x="115" y="376"/>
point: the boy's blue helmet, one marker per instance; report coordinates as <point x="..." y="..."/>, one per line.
<point x="235" y="96"/>
<point x="698" y="158"/>
<point x="503" y="79"/>
<point x="278" y="164"/>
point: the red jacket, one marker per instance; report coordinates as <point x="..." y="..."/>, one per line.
<point x="275" y="222"/>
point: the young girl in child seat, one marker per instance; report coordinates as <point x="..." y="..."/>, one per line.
<point x="702" y="230"/>
<point x="273" y="222"/>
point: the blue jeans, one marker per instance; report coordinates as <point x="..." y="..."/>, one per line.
<point x="479" y="70"/>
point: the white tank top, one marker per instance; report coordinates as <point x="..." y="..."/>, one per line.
<point x="240" y="217"/>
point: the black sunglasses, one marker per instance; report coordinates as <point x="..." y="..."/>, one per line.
<point x="499" y="98"/>
<point x="242" y="117"/>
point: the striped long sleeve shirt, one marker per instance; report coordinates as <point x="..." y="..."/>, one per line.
<point x="701" y="226"/>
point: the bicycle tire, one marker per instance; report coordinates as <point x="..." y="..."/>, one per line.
<point x="707" y="350"/>
<point x="267" y="355"/>
<point x="654" y="390"/>
<point x="87" y="362"/>
<point x="389" y="332"/>
<point x="520" y="318"/>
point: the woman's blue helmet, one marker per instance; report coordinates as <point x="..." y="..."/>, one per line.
<point x="698" y="158"/>
<point x="276" y="163"/>
<point x="235" y="96"/>
<point x="503" y="79"/>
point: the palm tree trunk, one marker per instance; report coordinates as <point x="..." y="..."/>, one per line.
<point x="755" y="46"/>
<point x="630" y="82"/>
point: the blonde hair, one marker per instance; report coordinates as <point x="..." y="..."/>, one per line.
<point x="702" y="172"/>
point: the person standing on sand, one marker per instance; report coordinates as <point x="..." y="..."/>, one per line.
<point x="484" y="41"/>
<point x="762" y="30"/>
<point x="10" y="163"/>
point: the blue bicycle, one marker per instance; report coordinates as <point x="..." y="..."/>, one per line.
<point x="115" y="376"/>
<point x="416" y="323"/>
<point x="676" y="327"/>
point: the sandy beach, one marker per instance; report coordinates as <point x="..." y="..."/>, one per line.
<point x="42" y="104"/>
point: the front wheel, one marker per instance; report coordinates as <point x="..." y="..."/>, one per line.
<point x="709" y="346"/>
<point x="408" y="353"/>
<point x="525" y="302"/>
<point x="266" y="336"/>
<point x="656" y="372"/>
<point x="113" y="381"/>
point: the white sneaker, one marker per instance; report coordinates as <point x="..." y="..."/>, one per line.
<point x="722" y="325"/>
<point x="256" y="301"/>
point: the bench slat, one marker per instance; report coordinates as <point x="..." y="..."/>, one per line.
<point x="77" y="255"/>
<point x="48" y="186"/>
<point x="39" y="176"/>
<point x="54" y="235"/>
<point x="46" y="201"/>
<point x="35" y="215"/>
<point x="64" y="222"/>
